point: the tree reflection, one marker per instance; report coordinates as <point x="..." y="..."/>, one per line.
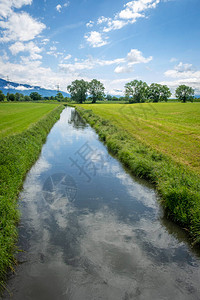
<point x="76" y="120"/>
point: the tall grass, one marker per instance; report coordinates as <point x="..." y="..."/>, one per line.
<point x="178" y="186"/>
<point x="17" y="154"/>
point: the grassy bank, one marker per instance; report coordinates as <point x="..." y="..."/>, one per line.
<point x="17" y="117"/>
<point x="170" y="128"/>
<point x="178" y="185"/>
<point x="17" y="154"/>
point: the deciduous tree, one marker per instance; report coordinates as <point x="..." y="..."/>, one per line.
<point x="137" y="90"/>
<point x="78" y="90"/>
<point x="96" y="90"/>
<point x="184" y="93"/>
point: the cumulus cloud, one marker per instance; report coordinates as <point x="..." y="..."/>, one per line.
<point x="28" y="47"/>
<point x="20" y="27"/>
<point x="183" y="74"/>
<point x="124" y="65"/>
<point x="95" y="39"/>
<point x="7" y="6"/>
<point x="54" y="52"/>
<point x="31" y="72"/>
<point x="133" y="57"/>
<point x="67" y="57"/>
<point x="59" y="7"/>
<point x="132" y="11"/>
<point x="90" y="24"/>
<point x="181" y="70"/>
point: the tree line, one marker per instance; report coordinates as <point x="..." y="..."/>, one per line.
<point x="34" y="96"/>
<point x="136" y="91"/>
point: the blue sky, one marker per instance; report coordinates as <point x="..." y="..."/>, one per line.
<point x="48" y="42"/>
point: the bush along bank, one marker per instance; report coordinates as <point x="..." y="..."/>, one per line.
<point x="178" y="187"/>
<point x="17" y="155"/>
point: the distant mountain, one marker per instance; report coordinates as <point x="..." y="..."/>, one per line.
<point x="26" y="89"/>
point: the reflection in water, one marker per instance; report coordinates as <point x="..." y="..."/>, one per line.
<point x="103" y="239"/>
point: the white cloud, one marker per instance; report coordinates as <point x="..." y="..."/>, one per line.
<point x="114" y="25"/>
<point x="66" y="4"/>
<point x="183" y="74"/>
<point x="124" y="65"/>
<point x="20" y="27"/>
<point x="133" y="57"/>
<point x="90" y="24"/>
<point x="7" y="6"/>
<point x="132" y="11"/>
<point x="182" y="71"/>
<point x="59" y="8"/>
<point x="88" y="64"/>
<point x="95" y="39"/>
<point x="28" y="47"/>
<point x="31" y="72"/>
<point x="124" y="69"/>
<point x="23" y="88"/>
<point x="45" y="41"/>
<point x="67" y="57"/>
<point x="103" y="19"/>
<point x="173" y="59"/>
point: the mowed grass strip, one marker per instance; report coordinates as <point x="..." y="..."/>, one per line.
<point x="171" y="128"/>
<point x="178" y="185"/>
<point x="18" y="152"/>
<point x="16" y="117"/>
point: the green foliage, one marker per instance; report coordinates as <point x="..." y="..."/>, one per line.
<point x="137" y="90"/>
<point x="2" y="96"/>
<point x="178" y="186"/>
<point x="35" y="96"/>
<point x="96" y="90"/>
<point x="78" y="90"/>
<point x="184" y="93"/>
<point x="27" y="98"/>
<point x="158" y="92"/>
<point x="59" y="97"/>
<point x="10" y="97"/>
<point x="17" y="154"/>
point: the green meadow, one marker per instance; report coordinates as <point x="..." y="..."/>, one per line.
<point x="171" y="128"/>
<point x="23" y="130"/>
<point x="160" y="143"/>
<point x="17" y="117"/>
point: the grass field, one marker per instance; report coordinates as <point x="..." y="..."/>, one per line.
<point x="171" y="128"/>
<point x="160" y="143"/>
<point x="24" y="128"/>
<point x="16" y="117"/>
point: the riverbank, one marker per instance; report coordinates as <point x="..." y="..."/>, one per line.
<point x="178" y="186"/>
<point x="18" y="152"/>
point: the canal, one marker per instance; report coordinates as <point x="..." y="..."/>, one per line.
<point x="89" y="230"/>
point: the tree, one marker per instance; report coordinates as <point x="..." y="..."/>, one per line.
<point x="18" y="96"/>
<point x="78" y="90"/>
<point x="184" y="93"/>
<point x="59" y="97"/>
<point x="11" y="97"/>
<point x="96" y="90"/>
<point x="158" y="92"/>
<point x="154" y="92"/>
<point x="2" y="96"/>
<point x="165" y="93"/>
<point x="109" y="98"/>
<point x="27" y="98"/>
<point x="35" y="96"/>
<point x="137" y="90"/>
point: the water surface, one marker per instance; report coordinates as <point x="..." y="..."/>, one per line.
<point x="91" y="231"/>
